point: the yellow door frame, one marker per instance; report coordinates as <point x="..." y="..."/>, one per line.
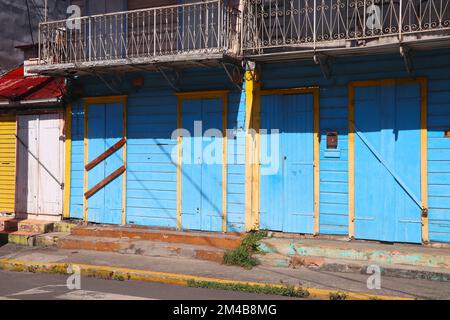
<point x="88" y="101"/>
<point x="254" y="150"/>
<point x="252" y="169"/>
<point x="68" y="161"/>
<point x="423" y="146"/>
<point x="193" y="95"/>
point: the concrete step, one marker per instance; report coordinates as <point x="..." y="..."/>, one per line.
<point x="359" y="251"/>
<point x="141" y="247"/>
<point x="64" y="226"/>
<point x="18" y="237"/>
<point x="353" y="266"/>
<point x="216" y="240"/>
<point x="8" y="224"/>
<point x="50" y="239"/>
<point x="35" y="226"/>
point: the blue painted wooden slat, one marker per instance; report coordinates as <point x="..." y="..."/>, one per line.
<point x="433" y="64"/>
<point x="77" y="162"/>
<point x="105" y="129"/>
<point x="287" y="194"/>
<point x="387" y="162"/>
<point x="201" y="177"/>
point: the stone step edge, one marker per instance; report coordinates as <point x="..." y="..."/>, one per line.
<point x="9" y="224"/>
<point x="388" y="256"/>
<point x="195" y="238"/>
<point x="137" y="247"/>
<point x="353" y="266"/>
<point x="19" y="237"/>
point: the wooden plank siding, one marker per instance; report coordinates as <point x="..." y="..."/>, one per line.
<point x="77" y="161"/>
<point x="7" y="163"/>
<point x="151" y="168"/>
<point x="435" y="66"/>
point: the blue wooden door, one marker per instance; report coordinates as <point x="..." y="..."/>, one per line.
<point x="105" y="128"/>
<point x="201" y="181"/>
<point x="387" y="163"/>
<point x="287" y="163"/>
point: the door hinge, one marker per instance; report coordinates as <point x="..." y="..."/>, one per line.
<point x="425" y="213"/>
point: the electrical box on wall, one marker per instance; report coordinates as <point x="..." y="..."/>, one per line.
<point x="332" y="140"/>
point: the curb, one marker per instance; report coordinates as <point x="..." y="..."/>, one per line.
<point x="341" y="266"/>
<point x="124" y="274"/>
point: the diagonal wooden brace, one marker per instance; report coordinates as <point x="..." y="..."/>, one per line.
<point x="106" y="154"/>
<point x="103" y="183"/>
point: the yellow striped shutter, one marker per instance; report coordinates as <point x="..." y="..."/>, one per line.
<point x="7" y="163"/>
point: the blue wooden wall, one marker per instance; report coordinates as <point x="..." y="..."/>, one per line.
<point x="152" y="118"/>
<point x="435" y="65"/>
<point x="77" y="161"/>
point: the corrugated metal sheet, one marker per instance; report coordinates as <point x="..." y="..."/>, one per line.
<point x="14" y="86"/>
<point x="7" y="163"/>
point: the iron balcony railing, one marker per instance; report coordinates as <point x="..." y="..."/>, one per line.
<point x="203" y="27"/>
<point x="312" y="24"/>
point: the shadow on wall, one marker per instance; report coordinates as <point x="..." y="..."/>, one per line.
<point x="151" y="169"/>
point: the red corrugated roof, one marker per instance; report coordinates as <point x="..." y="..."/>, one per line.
<point x="15" y="87"/>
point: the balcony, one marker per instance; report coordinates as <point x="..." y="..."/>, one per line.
<point x="202" y="33"/>
<point x="277" y="29"/>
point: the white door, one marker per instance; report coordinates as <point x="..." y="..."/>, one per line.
<point x="40" y="165"/>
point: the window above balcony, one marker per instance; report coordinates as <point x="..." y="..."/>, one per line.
<point x="190" y="34"/>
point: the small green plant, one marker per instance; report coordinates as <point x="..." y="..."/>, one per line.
<point x="338" y="295"/>
<point x="32" y="269"/>
<point x="243" y="255"/>
<point x="285" y="290"/>
<point x="118" y="277"/>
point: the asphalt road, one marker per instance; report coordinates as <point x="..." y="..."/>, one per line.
<point x="30" y="286"/>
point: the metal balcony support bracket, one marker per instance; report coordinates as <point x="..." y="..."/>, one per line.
<point x="235" y="80"/>
<point x="406" y="54"/>
<point x="107" y="84"/>
<point x="172" y="81"/>
<point x="325" y="65"/>
<point x="251" y="66"/>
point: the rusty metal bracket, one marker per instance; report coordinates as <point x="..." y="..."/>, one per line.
<point x="406" y="54"/>
<point x="233" y="80"/>
<point x="251" y="66"/>
<point x="324" y="63"/>
<point x="424" y="212"/>
<point x="174" y="81"/>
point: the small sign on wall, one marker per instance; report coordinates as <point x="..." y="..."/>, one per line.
<point x="332" y="140"/>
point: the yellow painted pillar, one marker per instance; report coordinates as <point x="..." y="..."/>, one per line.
<point x="424" y="158"/>
<point x="252" y="154"/>
<point x="68" y="161"/>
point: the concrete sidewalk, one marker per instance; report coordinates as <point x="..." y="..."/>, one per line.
<point x="395" y="260"/>
<point x="183" y="268"/>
